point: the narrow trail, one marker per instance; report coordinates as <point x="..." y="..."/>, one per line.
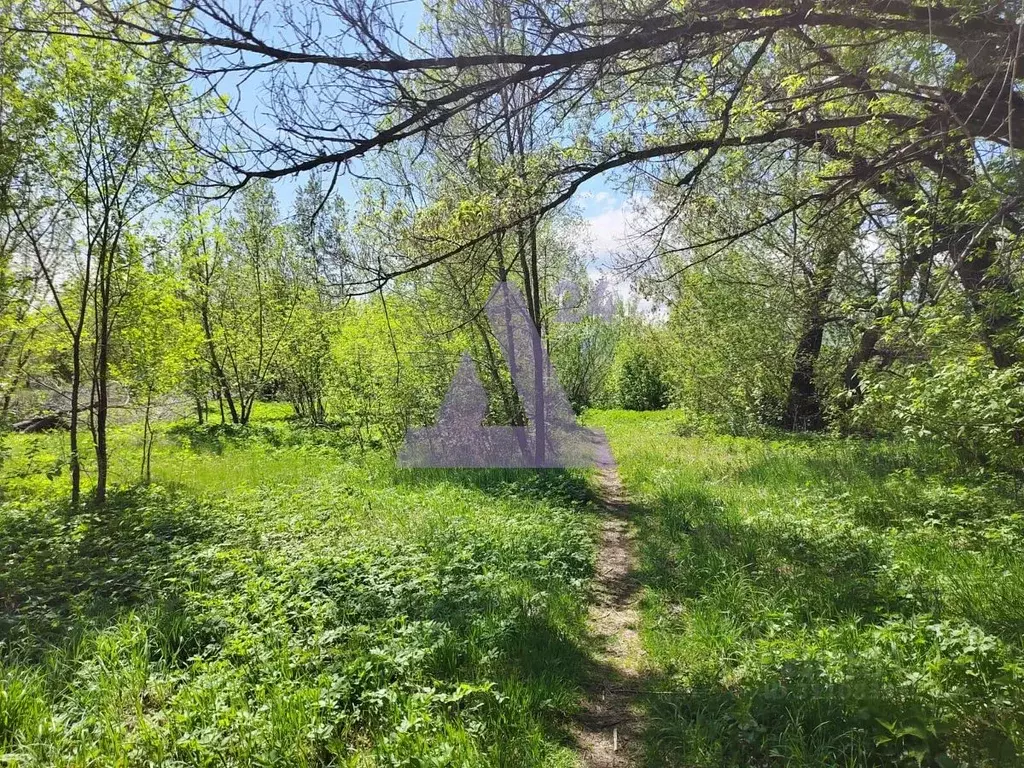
<point x="607" y="725"/>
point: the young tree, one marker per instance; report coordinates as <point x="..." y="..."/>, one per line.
<point x="156" y="341"/>
<point x="247" y="289"/>
<point x="109" y="141"/>
<point x="25" y="115"/>
<point x="200" y="248"/>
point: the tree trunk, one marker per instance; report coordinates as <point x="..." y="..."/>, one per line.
<point x="102" y="400"/>
<point x="512" y="362"/>
<point x="804" y="411"/>
<point x="803" y="406"/>
<point x="538" y="348"/>
<point x="216" y="368"/>
<point x="981" y="280"/>
<point x="232" y="409"/>
<point x="989" y="291"/>
<point x="247" y="404"/>
<point x="491" y="360"/>
<point x="867" y="347"/>
<point x="75" y="458"/>
<point x="147" y="440"/>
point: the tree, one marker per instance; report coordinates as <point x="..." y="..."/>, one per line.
<point x="24" y="114"/>
<point x="246" y="290"/>
<point x="152" y="347"/>
<point x="108" y="143"/>
<point x="674" y="84"/>
<point x="901" y="118"/>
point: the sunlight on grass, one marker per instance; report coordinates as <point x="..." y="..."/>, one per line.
<point x="277" y="598"/>
<point x="813" y="601"/>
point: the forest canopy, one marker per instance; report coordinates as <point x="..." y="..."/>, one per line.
<point x="762" y="256"/>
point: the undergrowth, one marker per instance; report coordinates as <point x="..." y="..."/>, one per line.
<point x="278" y="598"/>
<point x="819" y="601"/>
<point x="274" y="598"/>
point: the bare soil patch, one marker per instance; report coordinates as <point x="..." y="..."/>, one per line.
<point x="607" y="726"/>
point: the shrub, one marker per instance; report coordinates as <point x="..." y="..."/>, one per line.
<point x="641" y="381"/>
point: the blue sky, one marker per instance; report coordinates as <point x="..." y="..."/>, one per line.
<point x="606" y="210"/>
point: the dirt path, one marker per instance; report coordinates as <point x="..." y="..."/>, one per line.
<point x="607" y="725"/>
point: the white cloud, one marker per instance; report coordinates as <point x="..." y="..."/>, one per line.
<point x="597" y="200"/>
<point x="618" y="230"/>
<point x="621" y="226"/>
<point x="607" y="232"/>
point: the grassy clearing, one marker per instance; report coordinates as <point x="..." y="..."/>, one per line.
<point x="274" y="599"/>
<point x="823" y="602"/>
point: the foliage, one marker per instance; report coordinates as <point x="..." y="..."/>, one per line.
<point x="827" y="214"/>
<point x="583" y="354"/>
<point x="822" y="601"/>
<point x="376" y="617"/>
<point x="640" y="372"/>
<point x="729" y="353"/>
<point x="946" y="392"/>
<point x="157" y="339"/>
<point x="385" y="378"/>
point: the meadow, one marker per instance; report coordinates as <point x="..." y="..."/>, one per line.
<point x="815" y="601"/>
<point x="276" y="597"/>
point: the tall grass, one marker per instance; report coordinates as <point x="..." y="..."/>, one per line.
<point x="817" y="601"/>
<point x="275" y="598"/>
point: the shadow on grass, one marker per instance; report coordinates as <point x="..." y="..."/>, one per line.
<point x="214" y="438"/>
<point x="761" y="620"/>
<point x="546" y="659"/>
<point x="691" y="544"/>
<point x="557" y="485"/>
<point x="796" y="715"/>
<point x="67" y="572"/>
<point x="547" y="668"/>
<point x="800" y="459"/>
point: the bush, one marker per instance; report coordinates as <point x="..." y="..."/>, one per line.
<point x="949" y="395"/>
<point x="641" y="382"/>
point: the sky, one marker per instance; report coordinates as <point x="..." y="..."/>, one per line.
<point x="609" y="216"/>
<point x="609" y="221"/>
<point x="607" y="213"/>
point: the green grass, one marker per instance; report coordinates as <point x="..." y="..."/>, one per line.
<point x="816" y="601"/>
<point x="277" y="599"/>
